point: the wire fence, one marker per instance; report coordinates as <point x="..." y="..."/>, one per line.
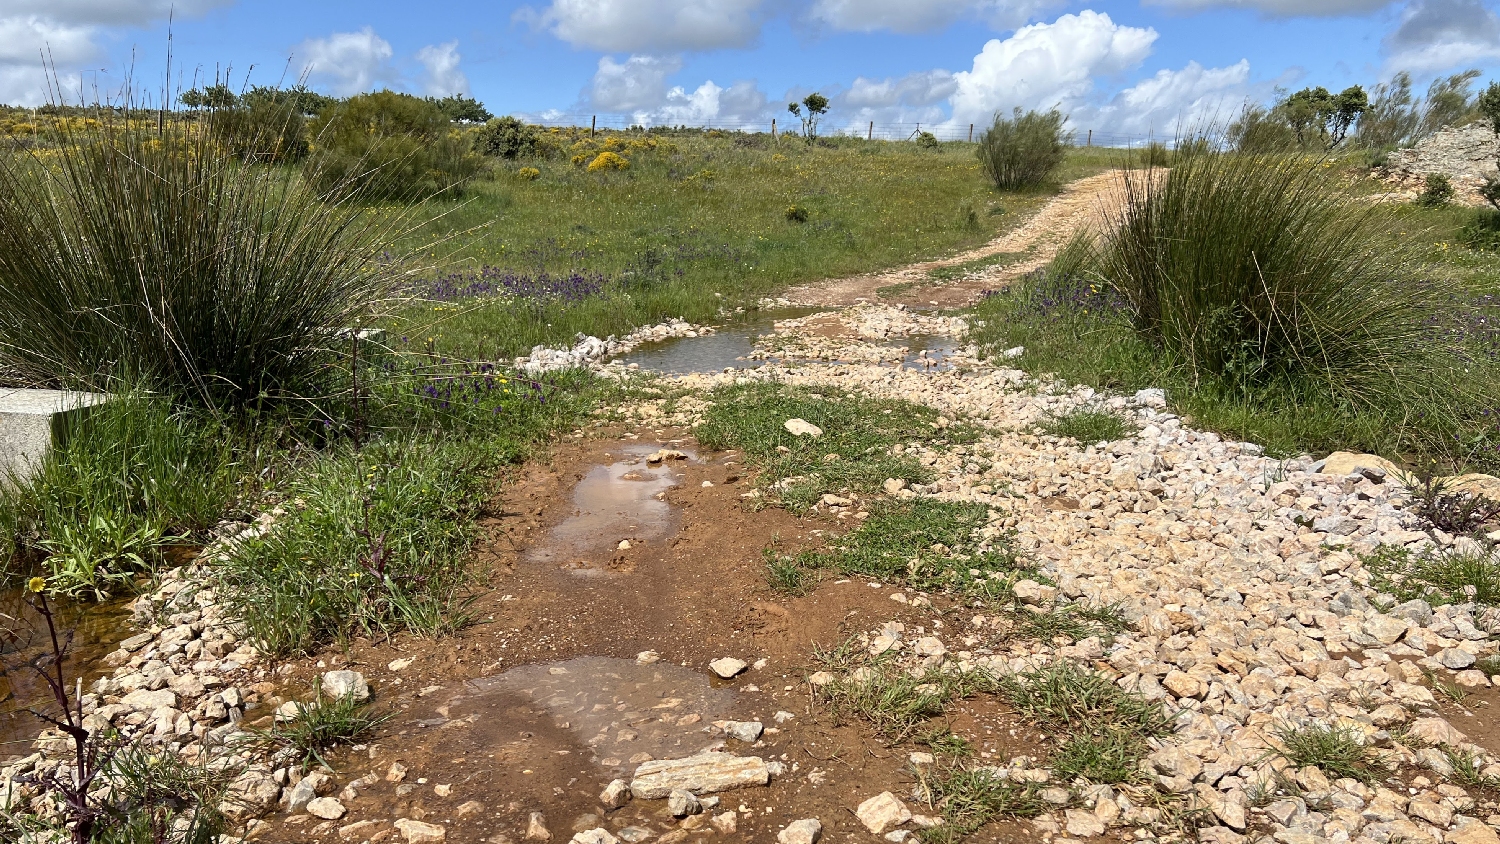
<point x="870" y="130"/>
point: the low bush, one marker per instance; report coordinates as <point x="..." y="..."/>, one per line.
<point x="128" y="255"/>
<point x="1024" y="150"/>
<point x="508" y="138"/>
<point x="1437" y="191"/>
<point x="389" y="146"/>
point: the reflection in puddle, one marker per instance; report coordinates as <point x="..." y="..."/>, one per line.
<point x="929" y="351"/>
<point x="729" y="346"/>
<point x="621" y="501"/>
<point x="626" y="712"/>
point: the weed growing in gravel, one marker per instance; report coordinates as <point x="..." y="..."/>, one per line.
<point x="1075" y="620"/>
<point x="945" y="742"/>
<point x="1468" y="769"/>
<point x="320" y="725"/>
<point x="896" y="701"/>
<point x="372" y="543"/>
<point x="790" y="574"/>
<point x="1068" y="695"/>
<point x="1111" y="755"/>
<point x="1488" y="665"/>
<point x="1453" y="511"/>
<point x="853" y="454"/>
<point x="1338" y="751"/>
<point x="1087" y="426"/>
<point x="976" y="266"/>
<point x="1107" y="726"/>
<point x="969" y="799"/>
<point x="1437" y="576"/>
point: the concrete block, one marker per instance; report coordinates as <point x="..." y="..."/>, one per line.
<point x="33" y="421"/>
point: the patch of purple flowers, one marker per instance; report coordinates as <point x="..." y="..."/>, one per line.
<point x="540" y="285"/>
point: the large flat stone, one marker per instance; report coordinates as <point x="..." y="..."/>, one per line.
<point x="705" y="773"/>
<point x="33" y="421"/>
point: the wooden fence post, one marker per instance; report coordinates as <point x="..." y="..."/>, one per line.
<point x="773" y="128"/>
<point x="1091" y="137"/>
<point x="593" y="121"/>
<point x="870" y="133"/>
<point x="971" y="133"/>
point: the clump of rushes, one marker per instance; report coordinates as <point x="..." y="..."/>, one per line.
<point x="133" y="248"/>
<point x="852" y="454"/>
<point x="1252" y="269"/>
<point x="1338" y="751"/>
<point x="372" y="543"/>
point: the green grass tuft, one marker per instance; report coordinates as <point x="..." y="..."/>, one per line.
<point x="320" y="725"/>
<point x="972" y="798"/>
<point x="1066" y="695"/>
<point x="1338" y="751"/>
<point x="1438" y="576"/>
<point x="1088" y="426"/>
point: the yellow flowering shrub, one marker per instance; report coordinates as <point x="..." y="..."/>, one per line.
<point x="530" y="174"/>
<point x="580" y="159"/>
<point x="613" y="144"/>
<point x="607" y="161"/>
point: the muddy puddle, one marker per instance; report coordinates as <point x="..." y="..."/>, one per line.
<point x="90" y="632"/>
<point x="621" y="712"/>
<point x="622" y="501"/>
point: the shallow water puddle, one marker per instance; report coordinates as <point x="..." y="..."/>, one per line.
<point x="929" y="351"/>
<point x="88" y="630"/>
<point x="729" y="346"/>
<point x="620" y="501"/>
<point x="625" y="713"/>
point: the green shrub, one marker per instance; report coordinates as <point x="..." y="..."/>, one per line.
<point x="129" y="254"/>
<point x="927" y="140"/>
<point x="1482" y="231"/>
<point x="507" y="137"/>
<point x="1251" y="269"/>
<point x="263" y="130"/>
<point x="373" y="544"/>
<point x="1437" y="191"/>
<point x="389" y="146"/>
<point x="124" y="483"/>
<point x="1025" y="150"/>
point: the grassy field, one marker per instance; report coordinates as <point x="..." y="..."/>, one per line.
<point x="693" y="225"/>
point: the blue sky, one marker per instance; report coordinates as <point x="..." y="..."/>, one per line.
<point x="1120" y="67"/>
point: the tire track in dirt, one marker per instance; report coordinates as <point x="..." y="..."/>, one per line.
<point x="1083" y="203"/>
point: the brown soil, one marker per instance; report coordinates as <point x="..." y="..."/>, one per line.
<point x="1083" y="203"/>
<point x="540" y="704"/>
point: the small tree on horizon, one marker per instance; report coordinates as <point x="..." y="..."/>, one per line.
<point x="817" y="106"/>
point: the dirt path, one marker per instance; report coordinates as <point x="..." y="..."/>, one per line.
<point x="1033" y="243"/>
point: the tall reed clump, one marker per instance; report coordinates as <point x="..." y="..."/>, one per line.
<point x="1259" y="270"/>
<point x="135" y="244"/>
<point x="1024" y="150"/>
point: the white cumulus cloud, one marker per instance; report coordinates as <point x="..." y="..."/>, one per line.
<point x="347" y="62"/>
<point x="41" y="36"/>
<point x="650" y="26"/>
<point x="909" y="16"/>
<point x="1172" y="102"/>
<point x="442" y="75"/>
<point x="1047" y="64"/>
<point x="1439" y="35"/>
<point x="639" y="86"/>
